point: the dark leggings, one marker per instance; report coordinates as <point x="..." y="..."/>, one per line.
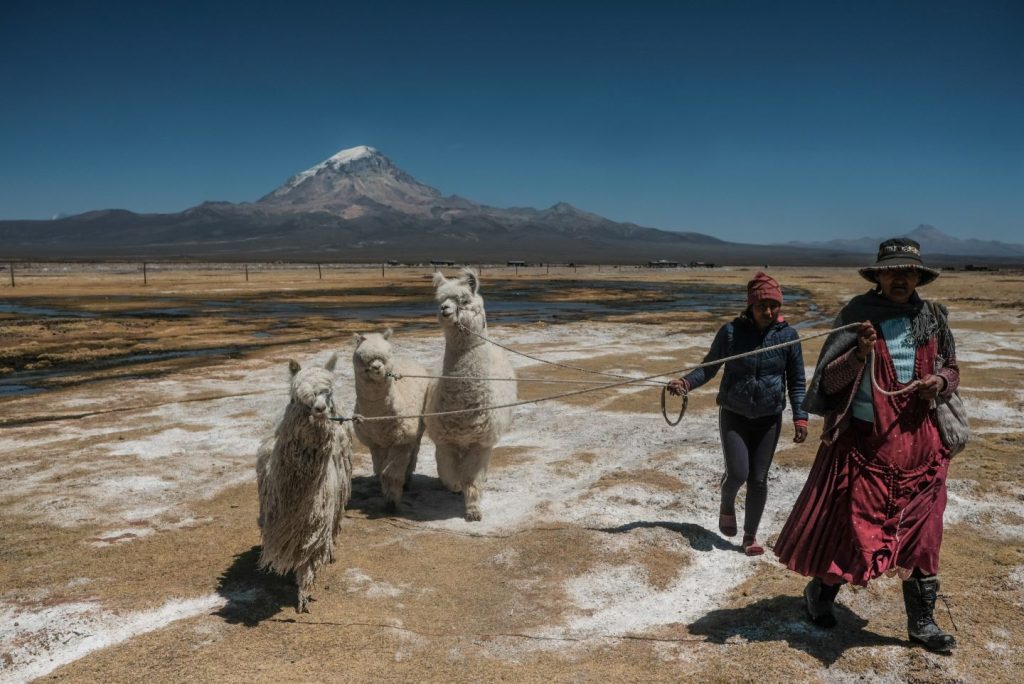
<point x="749" y="446"/>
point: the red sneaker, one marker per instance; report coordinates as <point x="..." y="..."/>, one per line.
<point x="751" y="547"/>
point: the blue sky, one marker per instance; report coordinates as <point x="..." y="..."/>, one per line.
<point x="750" y="121"/>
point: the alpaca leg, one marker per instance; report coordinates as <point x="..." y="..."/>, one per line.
<point x="414" y="451"/>
<point x="474" y="473"/>
<point x="379" y="456"/>
<point x="447" y="456"/>
<point x="304" y="580"/>
<point x="392" y="478"/>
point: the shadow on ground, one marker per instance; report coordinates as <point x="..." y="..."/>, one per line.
<point x="425" y="499"/>
<point x="700" y="538"/>
<point x="782" y="618"/>
<point x="253" y="595"/>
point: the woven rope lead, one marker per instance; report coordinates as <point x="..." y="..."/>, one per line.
<point x="874" y="382"/>
<point x="611" y="385"/>
<point x="682" y="409"/>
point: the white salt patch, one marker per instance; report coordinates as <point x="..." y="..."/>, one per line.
<point x="39" y="641"/>
<point x="986" y="511"/>
<point x="359" y="581"/>
<point x="111" y="537"/>
<point x="1017" y="580"/>
<point x="1008" y="418"/>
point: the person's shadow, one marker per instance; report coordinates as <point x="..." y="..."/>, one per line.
<point x="253" y="595"/>
<point x="700" y="538"/>
<point x="783" y="618"/>
<point x="424" y="499"/>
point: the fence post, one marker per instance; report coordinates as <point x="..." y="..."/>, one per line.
<point x="247" y="273"/>
<point x="12" y="274"/>
<point x="319" y="272"/>
<point x="145" y="278"/>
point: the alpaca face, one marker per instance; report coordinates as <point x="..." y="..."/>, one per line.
<point x="459" y="301"/>
<point x="313" y="388"/>
<point x="372" y="356"/>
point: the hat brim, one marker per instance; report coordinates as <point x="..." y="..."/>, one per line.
<point x="927" y="274"/>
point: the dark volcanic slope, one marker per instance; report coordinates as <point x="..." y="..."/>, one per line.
<point x="357" y="206"/>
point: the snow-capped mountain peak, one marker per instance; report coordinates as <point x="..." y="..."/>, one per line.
<point x="336" y="162"/>
<point x="351" y="154"/>
<point x="349" y="182"/>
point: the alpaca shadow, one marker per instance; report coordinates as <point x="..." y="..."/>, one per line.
<point x="700" y="538"/>
<point x="783" y="618"/>
<point x="253" y="595"/>
<point x="424" y="499"/>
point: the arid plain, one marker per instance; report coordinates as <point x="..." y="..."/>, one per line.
<point x="130" y="415"/>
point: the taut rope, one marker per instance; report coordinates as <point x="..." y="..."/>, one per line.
<point x="626" y="381"/>
<point x="399" y="376"/>
<point x="540" y="360"/>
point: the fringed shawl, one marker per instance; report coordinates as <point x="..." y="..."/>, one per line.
<point x="873" y="307"/>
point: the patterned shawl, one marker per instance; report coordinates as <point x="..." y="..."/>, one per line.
<point x="873" y="307"/>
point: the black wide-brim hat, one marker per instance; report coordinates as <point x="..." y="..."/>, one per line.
<point x="899" y="253"/>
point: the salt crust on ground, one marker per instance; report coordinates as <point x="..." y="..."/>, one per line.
<point x="41" y="640"/>
<point x="195" y="449"/>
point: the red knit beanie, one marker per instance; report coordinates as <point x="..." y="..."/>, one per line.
<point x="763" y="286"/>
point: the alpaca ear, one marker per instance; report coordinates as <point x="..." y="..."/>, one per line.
<point x="331" y="362"/>
<point x="293" y="366"/>
<point x="472" y="279"/>
<point x="387" y="333"/>
<point x="358" y="339"/>
<point x="439" y="279"/>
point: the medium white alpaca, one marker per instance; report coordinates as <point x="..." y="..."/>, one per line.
<point x="304" y="478"/>
<point x="394" y="443"/>
<point x="465" y="440"/>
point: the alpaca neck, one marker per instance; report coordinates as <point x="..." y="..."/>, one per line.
<point x="374" y="390"/>
<point x="461" y="353"/>
<point x="458" y="340"/>
<point x="297" y="428"/>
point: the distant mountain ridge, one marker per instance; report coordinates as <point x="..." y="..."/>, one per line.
<point x="932" y="240"/>
<point x="359" y="206"/>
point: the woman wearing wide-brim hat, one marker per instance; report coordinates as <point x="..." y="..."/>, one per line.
<point x="874" y="498"/>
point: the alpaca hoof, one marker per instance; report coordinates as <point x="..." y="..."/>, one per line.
<point x="473" y="515"/>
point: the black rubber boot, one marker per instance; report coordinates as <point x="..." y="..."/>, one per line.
<point x="919" y="597"/>
<point x="820" y="598"/>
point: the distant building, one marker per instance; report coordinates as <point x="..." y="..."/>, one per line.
<point x="662" y="263"/>
<point x="516" y="263"/>
<point x="441" y="262"/>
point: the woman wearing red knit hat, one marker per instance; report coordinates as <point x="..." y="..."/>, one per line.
<point x="751" y="399"/>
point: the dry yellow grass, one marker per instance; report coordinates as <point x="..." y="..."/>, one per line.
<point x="446" y="605"/>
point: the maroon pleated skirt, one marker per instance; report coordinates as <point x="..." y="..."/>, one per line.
<point x="871" y="503"/>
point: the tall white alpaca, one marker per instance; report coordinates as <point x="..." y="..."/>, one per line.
<point x="464" y="441"/>
<point x="304" y="478"/>
<point x="394" y="443"/>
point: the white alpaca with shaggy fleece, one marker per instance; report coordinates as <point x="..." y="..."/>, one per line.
<point x="304" y="478"/>
<point x="476" y="374"/>
<point x="382" y="390"/>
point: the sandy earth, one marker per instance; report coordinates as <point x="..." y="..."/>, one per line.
<point x="128" y="542"/>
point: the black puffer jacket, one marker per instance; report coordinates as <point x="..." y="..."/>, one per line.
<point x="755" y="385"/>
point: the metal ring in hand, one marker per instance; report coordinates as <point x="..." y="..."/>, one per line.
<point x="682" y="409"/>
